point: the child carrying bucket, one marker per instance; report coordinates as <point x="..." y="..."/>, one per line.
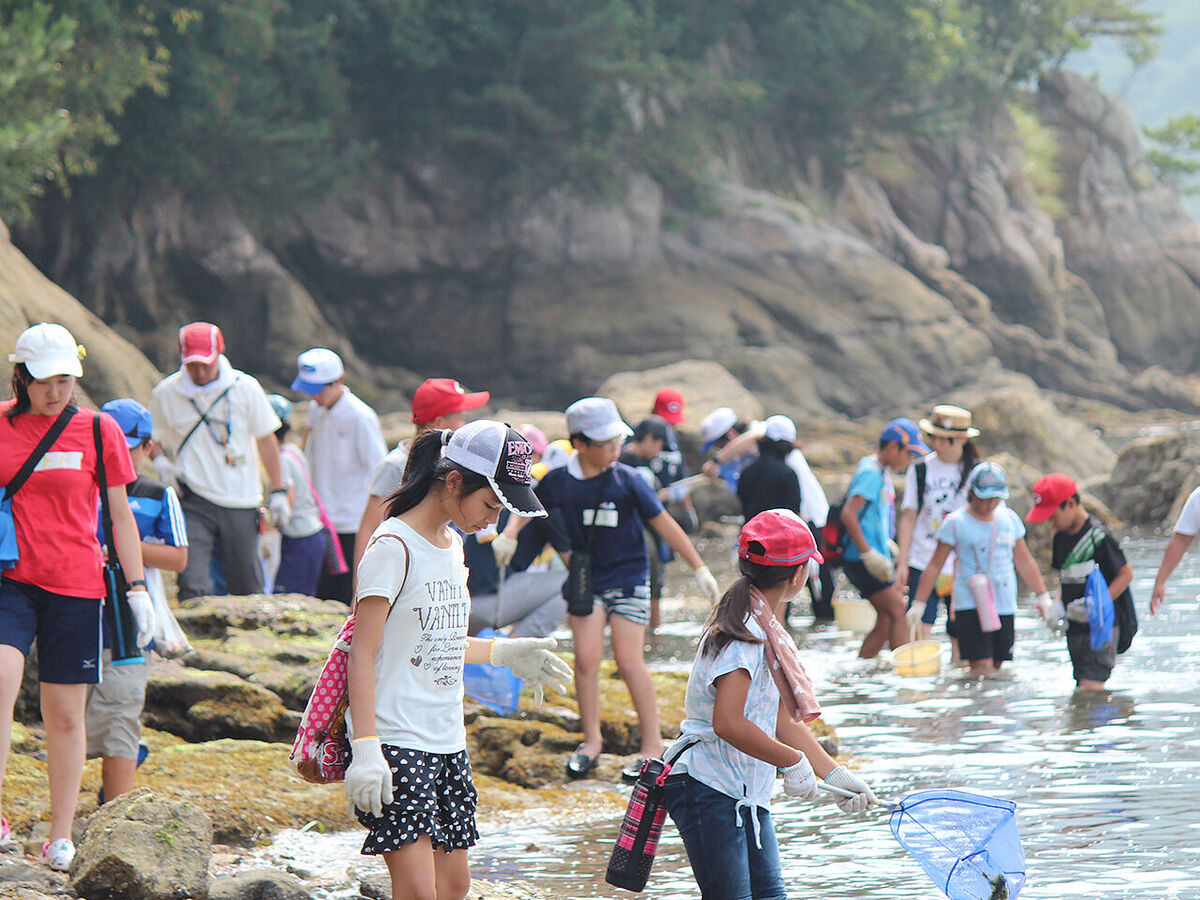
<point x="746" y="704"/>
<point x="988" y="539"/>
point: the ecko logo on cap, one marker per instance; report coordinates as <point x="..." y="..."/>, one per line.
<point x="519" y="461"/>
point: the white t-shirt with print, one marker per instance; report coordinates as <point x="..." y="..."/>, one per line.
<point x="715" y="762"/>
<point x="1189" y="519"/>
<point x="943" y="495"/>
<point x="419" y="666"/>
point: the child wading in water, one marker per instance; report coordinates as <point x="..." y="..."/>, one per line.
<point x="410" y="778"/>
<point x="989" y="541"/>
<point x="747" y="701"/>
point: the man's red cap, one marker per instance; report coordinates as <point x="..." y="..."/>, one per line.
<point x="669" y="405"/>
<point x="778" y="537"/>
<point x="200" y="342"/>
<point x="442" y="396"/>
<point x="1049" y="492"/>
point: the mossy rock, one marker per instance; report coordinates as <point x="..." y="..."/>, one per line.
<point x="200" y="705"/>
<point x="288" y="615"/>
<point x="523" y="751"/>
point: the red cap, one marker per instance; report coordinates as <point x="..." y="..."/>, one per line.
<point x="201" y="342"/>
<point x="1049" y="493"/>
<point x="778" y="537"/>
<point x="669" y="405"/>
<point x="442" y="396"/>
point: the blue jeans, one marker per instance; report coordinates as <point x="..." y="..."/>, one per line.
<point x="724" y="857"/>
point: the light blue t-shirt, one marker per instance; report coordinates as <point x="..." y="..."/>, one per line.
<point x="713" y="761"/>
<point x="875" y="516"/>
<point x="972" y="541"/>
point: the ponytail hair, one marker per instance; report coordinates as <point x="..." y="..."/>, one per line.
<point x="770" y="447"/>
<point x="20" y="390"/>
<point x="970" y="457"/>
<point x="427" y="468"/>
<point x="727" y="622"/>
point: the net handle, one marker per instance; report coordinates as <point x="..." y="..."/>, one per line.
<point x="842" y="792"/>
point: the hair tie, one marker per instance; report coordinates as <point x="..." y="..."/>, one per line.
<point x="445" y="432"/>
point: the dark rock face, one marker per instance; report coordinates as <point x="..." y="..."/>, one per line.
<point x="1150" y="476"/>
<point x="888" y="293"/>
<point x="259" y="884"/>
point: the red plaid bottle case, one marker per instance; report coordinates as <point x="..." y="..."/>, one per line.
<point x="633" y="854"/>
<point x="321" y="751"/>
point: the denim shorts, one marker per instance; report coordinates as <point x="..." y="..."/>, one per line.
<point x="67" y="630"/>
<point x="727" y="861"/>
<point x="633" y="605"/>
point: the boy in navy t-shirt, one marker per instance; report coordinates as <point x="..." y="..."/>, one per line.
<point x="114" y="706"/>
<point x="606" y="506"/>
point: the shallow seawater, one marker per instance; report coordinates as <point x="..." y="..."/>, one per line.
<point x="1107" y="786"/>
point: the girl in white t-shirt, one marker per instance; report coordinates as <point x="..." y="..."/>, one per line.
<point x="410" y="778"/>
<point x="933" y="488"/>
<point x="746" y="704"/>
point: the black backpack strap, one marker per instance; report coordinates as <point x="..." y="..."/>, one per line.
<point x="921" y="470"/>
<point x="105" y="512"/>
<point x="40" y="450"/>
<point x="203" y="416"/>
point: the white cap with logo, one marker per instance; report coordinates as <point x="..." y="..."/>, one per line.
<point x="48" y="349"/>
<point x="319" y="368"/>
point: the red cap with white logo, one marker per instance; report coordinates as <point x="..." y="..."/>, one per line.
<point x="441" y="397"/>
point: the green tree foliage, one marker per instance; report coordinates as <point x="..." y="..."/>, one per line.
<point x="62" y="80"/>
<point x="277" y="101"/>
<point x="1176" y="151"/>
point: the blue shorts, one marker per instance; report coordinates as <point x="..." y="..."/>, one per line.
<point x="67" y="630"/>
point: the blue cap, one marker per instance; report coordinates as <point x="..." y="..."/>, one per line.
<point x="905" y="433"/>
<point x="988" y="481"/>
<point x="133" y="418"/>
<point x="282" y="406"/>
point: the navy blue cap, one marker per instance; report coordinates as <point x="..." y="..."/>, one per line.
<point x="905" y="433"/>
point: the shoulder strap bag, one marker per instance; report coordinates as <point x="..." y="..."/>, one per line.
<point x="122" y="626"/>
<point x="9" y="551"/>
<point x="580" y="588"/>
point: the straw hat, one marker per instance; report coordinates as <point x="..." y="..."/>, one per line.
<point x="950" y="422"/>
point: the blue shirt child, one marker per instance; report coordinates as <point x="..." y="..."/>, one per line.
<point x="875" y="515"/>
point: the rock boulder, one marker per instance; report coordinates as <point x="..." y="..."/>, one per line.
<point x="144" y="846"/>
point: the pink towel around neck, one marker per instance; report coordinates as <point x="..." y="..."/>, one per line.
<point x="783" y="660"/>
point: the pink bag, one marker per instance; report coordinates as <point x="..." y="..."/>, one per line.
<point x="321" y="751"/>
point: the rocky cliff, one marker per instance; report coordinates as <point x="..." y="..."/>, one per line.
<point x="883" y="291"/>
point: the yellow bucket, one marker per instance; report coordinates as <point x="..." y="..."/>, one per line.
<point x="854" y="615"/>
<point x="918" y="658"/>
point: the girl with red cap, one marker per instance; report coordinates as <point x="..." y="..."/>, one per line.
<point x="746" y="706"/>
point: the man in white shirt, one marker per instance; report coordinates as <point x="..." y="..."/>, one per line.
<point x="214" y="424"/>
<point x="345" y="444"/>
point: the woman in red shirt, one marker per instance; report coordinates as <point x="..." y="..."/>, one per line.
<point x="55" y="591"/>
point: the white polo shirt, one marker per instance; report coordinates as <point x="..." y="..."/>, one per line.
<point x="219" y="462"/>
<point x="345" y="444"/>
<point x="1189" y="518"/>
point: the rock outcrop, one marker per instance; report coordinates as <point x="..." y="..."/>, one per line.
<point x="889" y="291"/>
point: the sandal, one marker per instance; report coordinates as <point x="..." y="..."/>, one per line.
<point x="580" y="763"/>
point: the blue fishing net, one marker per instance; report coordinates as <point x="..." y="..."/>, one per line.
<point x="966" y="843"/>
<point x="496" y="687"/>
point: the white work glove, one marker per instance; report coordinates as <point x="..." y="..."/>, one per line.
<point x="1077" y="610"/>
<point x="800" y="781"/>
<point x="708" y="584"/>
<point x="842" y="777"/>
<point x="143" y="613"/>
<point x="531" y="660"/>
<point x="281" y="509"/>
<point x="913" y="616"/>
<point x="879" y="566"/>
<point x="368" y="777"/>
<point x="503" y="549"/>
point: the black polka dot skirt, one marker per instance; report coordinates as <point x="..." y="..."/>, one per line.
<point x="433" y="794"/>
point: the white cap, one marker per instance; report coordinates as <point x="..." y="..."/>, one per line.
<point x="501" y="454"/>
<point x="597" y="419"/>
<point x="779" y="428"/>
<point x="48" y="349"/>
<point x="319" y="368"/>
<point x="717" y="422"/>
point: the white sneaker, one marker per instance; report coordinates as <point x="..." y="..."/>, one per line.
<point x="58" y="854"/>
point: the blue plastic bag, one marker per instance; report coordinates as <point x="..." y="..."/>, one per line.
<point x="967" y="844"/>
<point x="1099" y="608"/>
<point x="496" y="687"/>
<point x="9" y="552"/>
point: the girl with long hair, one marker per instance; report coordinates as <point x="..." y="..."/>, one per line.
<point x="410" y="779"/>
